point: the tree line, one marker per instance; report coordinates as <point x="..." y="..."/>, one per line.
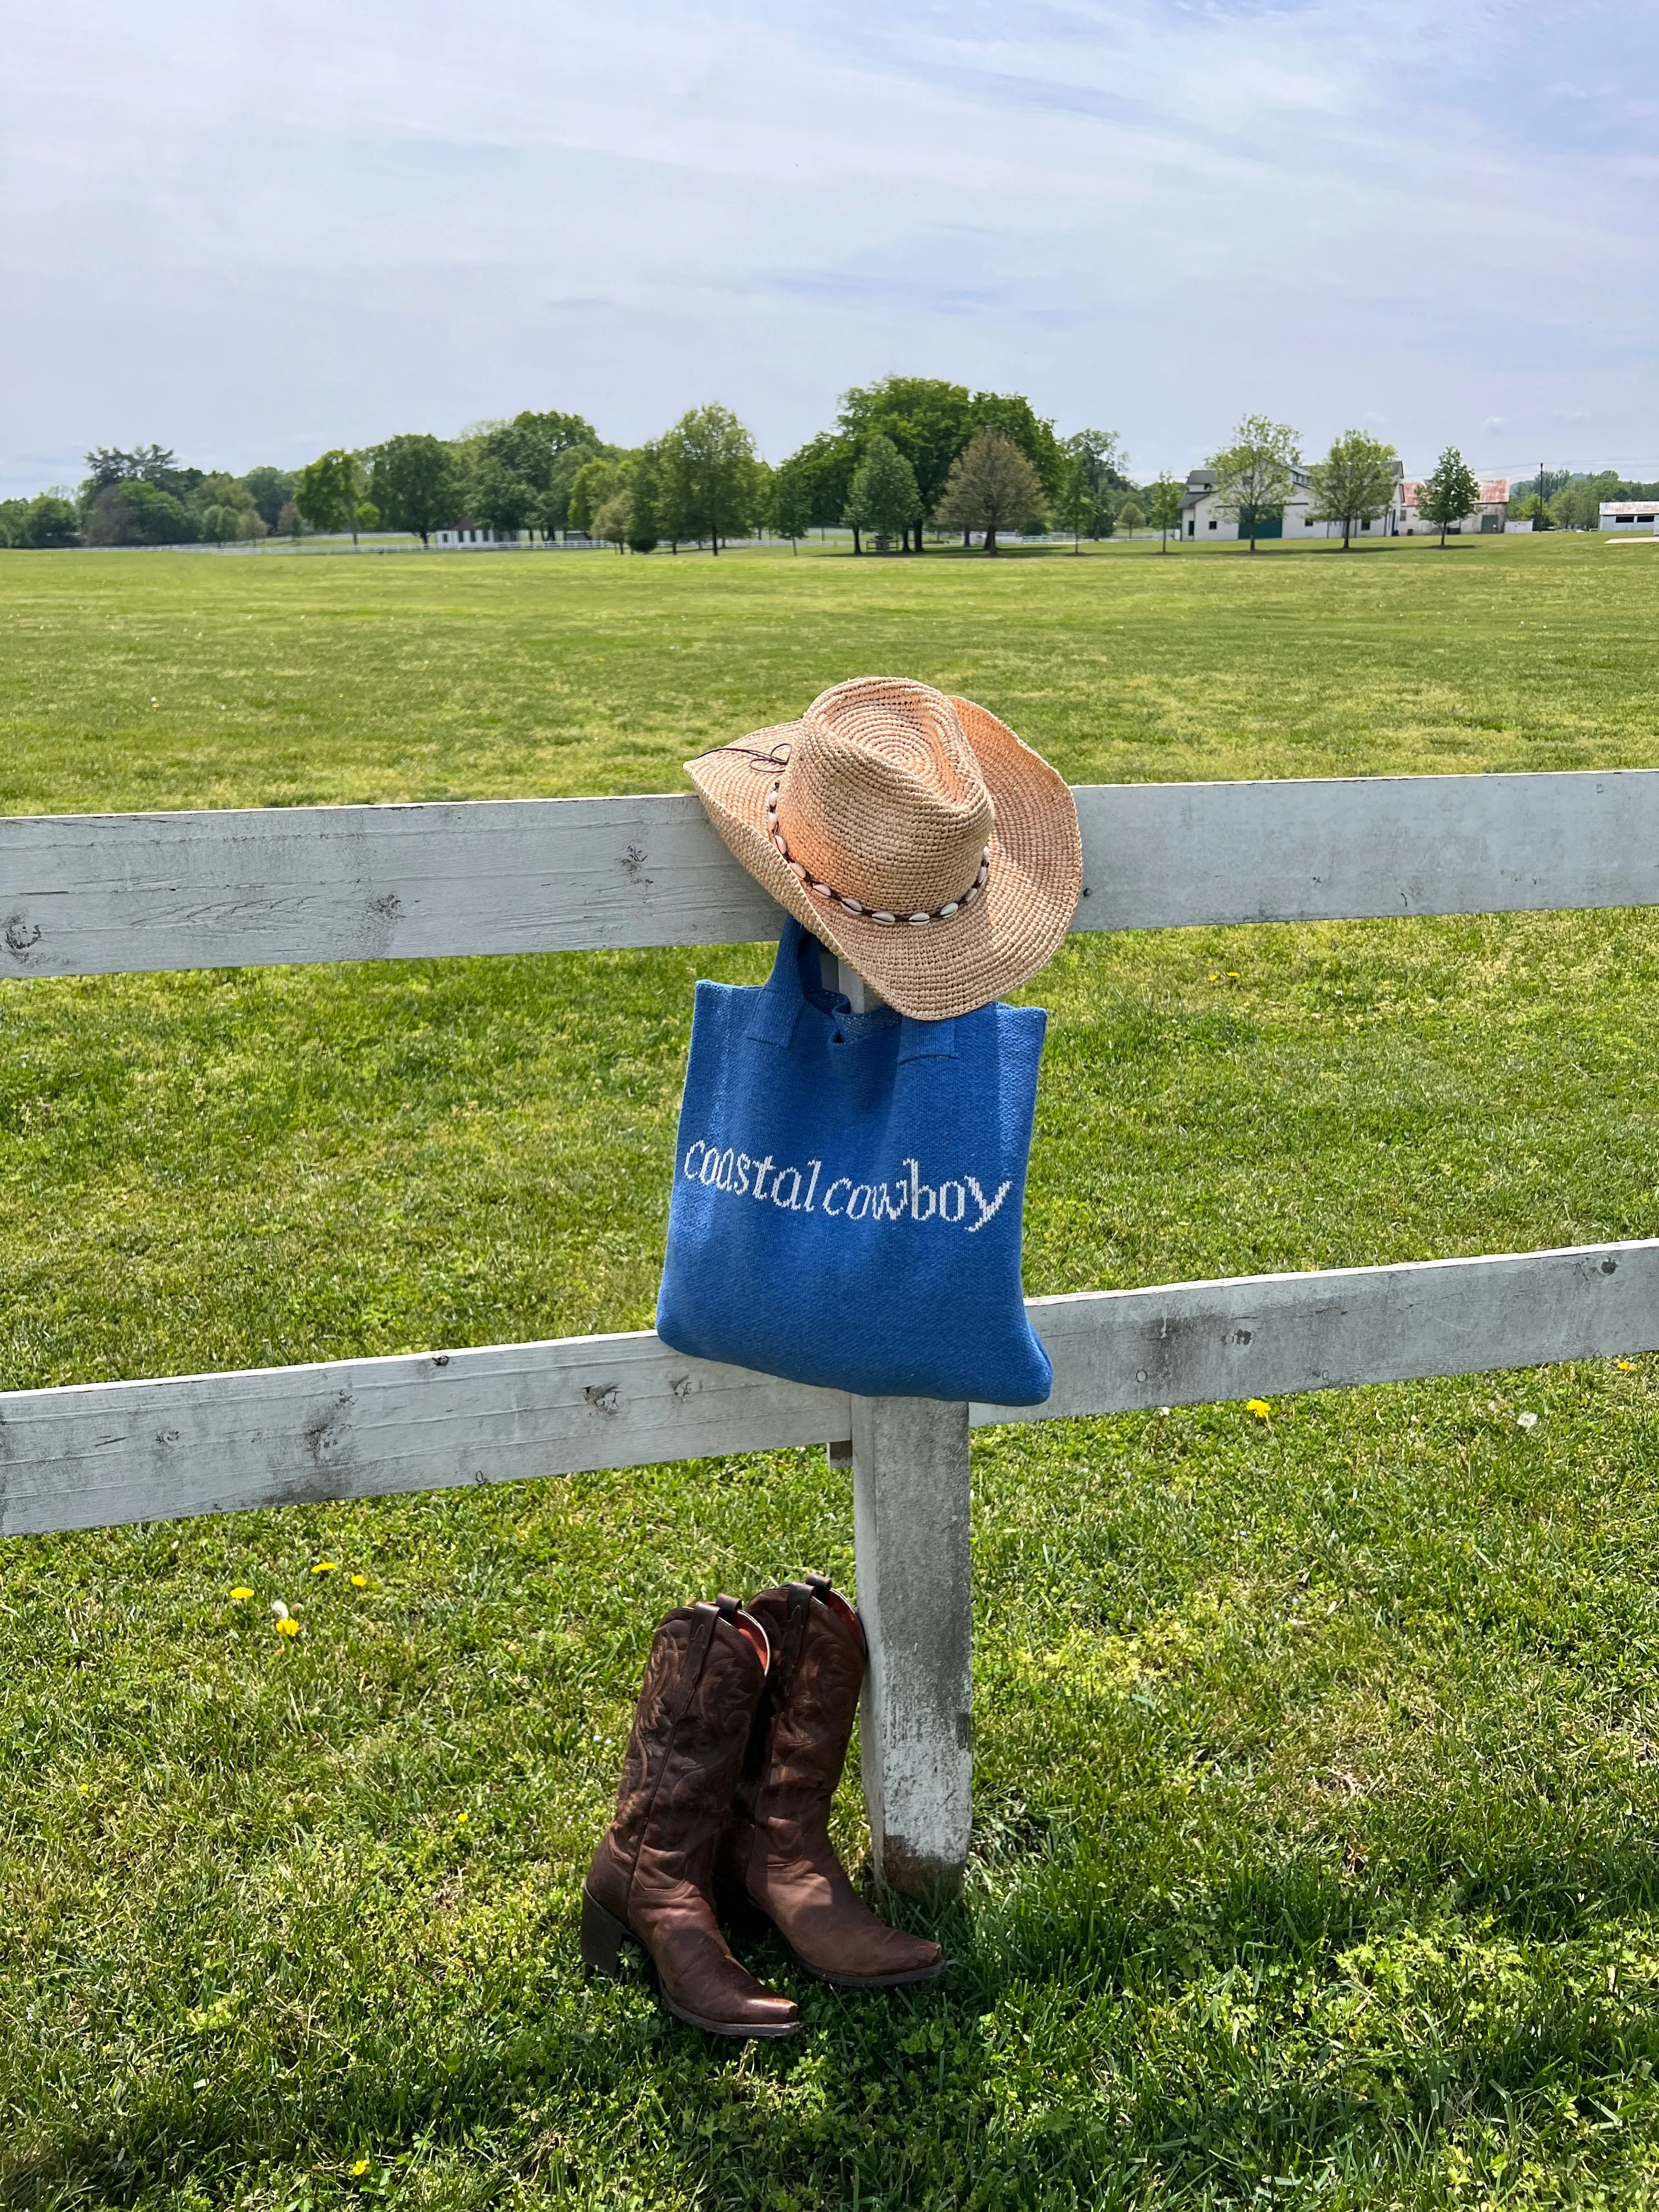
<point x="904" y="453"/>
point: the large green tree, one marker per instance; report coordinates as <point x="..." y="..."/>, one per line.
<point x="1091" y="479"/>
<point x="882" y="498"/>
<point x="927" y="419"/>
<point x="1013" y="414"/>
<point x="823" y="468"/>
<point x="708" y="476"/>
<point x="329" y="489"/>
<point x="594" y="482"/>
<point x="45" y="523"/>
<point x="1450" y="493"/>
<point x="136" y="513"/>
<point x="792" y="505"/>
<point x="513" y="466"/>
<point x="1355" y="482"/>
<point x="1253" y="475"/>
<point x="991" y="486"/>
<point x="269" y="489"/>
<point x="415" y="483"/>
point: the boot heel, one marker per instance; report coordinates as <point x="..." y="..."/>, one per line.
<point x="603" y="1937"/>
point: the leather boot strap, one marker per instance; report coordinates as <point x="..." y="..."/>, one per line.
<point x="798" y="1609"/>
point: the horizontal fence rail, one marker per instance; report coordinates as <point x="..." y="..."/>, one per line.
<point x="94" y="1454"/>
<point x="107" y="894"/>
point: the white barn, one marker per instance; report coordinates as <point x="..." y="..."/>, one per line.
<point x="1630" y="514"/>
<point x="1203" y="521"/>
<point x="1490" y="514"/>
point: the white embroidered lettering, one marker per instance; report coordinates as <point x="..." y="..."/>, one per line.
<point x="984" y="1211"/>
<point x="919" y="1190"/>
<point x="795" y="1190"/>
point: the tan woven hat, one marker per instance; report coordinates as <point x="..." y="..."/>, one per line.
<point x="912" y="833"/>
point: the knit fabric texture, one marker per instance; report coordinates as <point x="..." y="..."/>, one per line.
<point x="849" y="1192"/>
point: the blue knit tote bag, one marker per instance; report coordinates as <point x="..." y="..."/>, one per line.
<point x="849" y="1190"/>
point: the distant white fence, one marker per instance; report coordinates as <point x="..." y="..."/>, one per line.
<point x="99" y="895"/>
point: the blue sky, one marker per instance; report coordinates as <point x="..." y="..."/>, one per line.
<point x="251" y="231"/>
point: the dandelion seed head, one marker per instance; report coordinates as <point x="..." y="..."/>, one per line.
<point x="1526" y="1420"/>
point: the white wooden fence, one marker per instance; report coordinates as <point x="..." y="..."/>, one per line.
<point x="97" y="895"/>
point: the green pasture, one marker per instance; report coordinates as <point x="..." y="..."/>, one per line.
<point x="1317" y="1754"/>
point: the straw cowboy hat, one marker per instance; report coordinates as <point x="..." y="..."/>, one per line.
<point x="911" y="833"/>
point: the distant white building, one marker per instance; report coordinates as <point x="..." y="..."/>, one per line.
<point x="468" y="533"/>
<point x="1630" y="514"/>
<point x="1202" y="519"/>
<point x="1490" y="514"/>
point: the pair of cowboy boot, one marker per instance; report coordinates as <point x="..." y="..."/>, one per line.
<point x="737" y="1743"/>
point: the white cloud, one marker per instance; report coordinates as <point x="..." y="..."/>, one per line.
<point x="250" y="233"/>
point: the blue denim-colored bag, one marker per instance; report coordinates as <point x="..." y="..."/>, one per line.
<point x="848" y="1192"/>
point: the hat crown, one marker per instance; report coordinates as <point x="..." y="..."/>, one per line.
<point x="882" y="798"/>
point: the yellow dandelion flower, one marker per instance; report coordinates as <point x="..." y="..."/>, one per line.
<point x="287" y="1627"/>
<point x="362" y="2166"/>
<point x="325" y="1567"/>
<point x="360" y="1581"/>
<point x="241" y="1594"/>
<point x="1259" y="1408"/>
<point x="459" y="1817"/>
<point x="85" y="1788"/>
<point x="1627" y="1365"/>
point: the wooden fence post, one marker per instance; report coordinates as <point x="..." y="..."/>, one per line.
<point x="910" y="1523"/>
<point x="910" y="1529"/>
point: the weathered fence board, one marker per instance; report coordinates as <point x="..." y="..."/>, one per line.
<point x="1166" y="855"/>
<point x="93" y="1454"/>
<point x="1261" y="1336"/>
<point x="96" y="1454"/>
<point x="86" y="894"/>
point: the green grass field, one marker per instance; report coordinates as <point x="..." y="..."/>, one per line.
<point x="1317" y="1758"/>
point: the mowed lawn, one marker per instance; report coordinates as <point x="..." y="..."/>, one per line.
<point x="1317" y="1757"/>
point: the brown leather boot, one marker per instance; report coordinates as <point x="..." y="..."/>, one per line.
<point x="651" y="1874"/>
<point x="778" y="1857"/>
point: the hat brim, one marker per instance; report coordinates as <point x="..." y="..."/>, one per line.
<point x="944" y="968"/>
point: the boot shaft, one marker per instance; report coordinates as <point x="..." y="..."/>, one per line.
<point x="805" y="1721"/>
<point x="691" y="1726"/>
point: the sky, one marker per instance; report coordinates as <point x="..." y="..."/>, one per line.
<point x="253" y="231"/>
